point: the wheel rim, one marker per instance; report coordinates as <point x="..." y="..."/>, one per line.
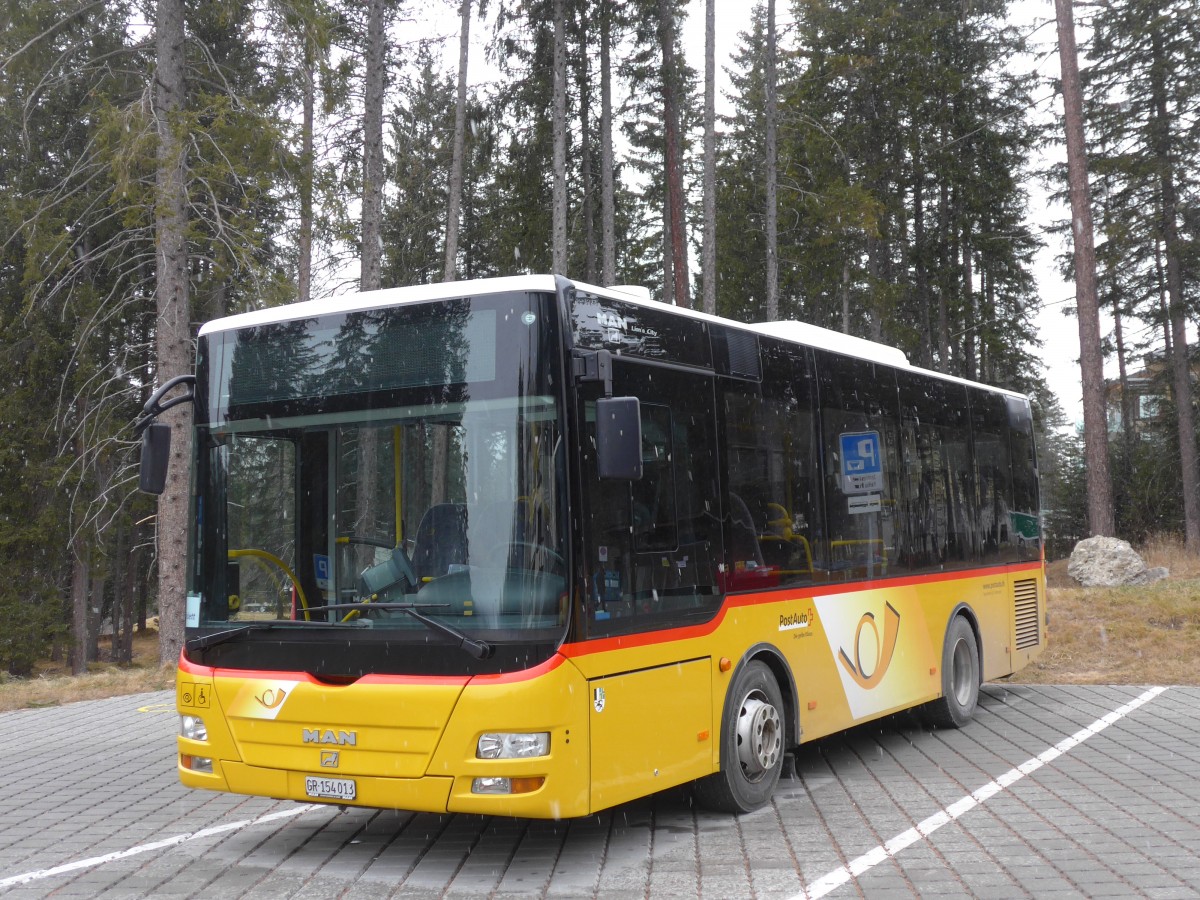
<point x="759" y="736"/>
<point x="963" y="674"/>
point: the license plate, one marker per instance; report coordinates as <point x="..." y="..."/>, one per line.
<point x="333" y="788"/>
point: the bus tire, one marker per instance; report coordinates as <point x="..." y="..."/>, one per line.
<point x="752" y="744"/>
<point x="960" y="678"/>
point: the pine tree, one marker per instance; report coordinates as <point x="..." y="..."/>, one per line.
<point x="1145" y="95"/>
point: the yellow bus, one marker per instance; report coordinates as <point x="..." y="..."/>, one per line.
<point x="529" y="547"/>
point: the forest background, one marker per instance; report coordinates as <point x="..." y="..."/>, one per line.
<point x="164" y="163"/>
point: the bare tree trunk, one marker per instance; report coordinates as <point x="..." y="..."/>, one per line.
<point x="372" y="199"/>
<point x="969" y="303"/>
<point x="95" y="608"/>
<point x="454" y="209"/>
<point x="677" y="260"/>
<point x="173" y="345"/>
<point x="1180" y="365"/>
<point x="585" y="149"/>
<point x="128" y="602"/>
<point x="558" y="260"/>
<point x="120" y="566"/>
<point x="304" y="239"/>
<point x="708" y="256"/>
<point x="922" y="274"/>
<point x="1123" y="380"/>
<point x="1160" y="281"/>
<point x="79" y="605"/>
<point x="1091" y="361"/>
<point x="608" y="226"/>
<point x="668" y="266"/>
<point x="771" y="215"/>
<point x="846" y="295"/>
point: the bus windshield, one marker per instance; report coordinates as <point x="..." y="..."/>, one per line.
<point x="389" y="477"/>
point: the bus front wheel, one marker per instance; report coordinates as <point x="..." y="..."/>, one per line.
<point x="752" y="744"/>
<point x="960" y="678"/>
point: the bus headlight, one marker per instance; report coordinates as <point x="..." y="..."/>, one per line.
<point x="193" y="728"/>
<point x="501" y="745"/>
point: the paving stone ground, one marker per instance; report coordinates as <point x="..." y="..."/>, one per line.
<point x="883" y="810"/>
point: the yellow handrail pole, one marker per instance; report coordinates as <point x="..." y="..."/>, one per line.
<point x="272" y="558"/>
<point x="398" y="482"/>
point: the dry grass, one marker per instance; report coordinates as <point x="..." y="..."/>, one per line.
<point x="1131" y="635"/>
<point x="52" y="684"/>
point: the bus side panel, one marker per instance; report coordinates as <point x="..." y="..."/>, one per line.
<point x="874" y="655"/>
<point x="650" y="730"/>
<point x="994" y="611"/>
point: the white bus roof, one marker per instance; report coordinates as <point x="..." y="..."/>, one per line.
<point x="788" y="330"/>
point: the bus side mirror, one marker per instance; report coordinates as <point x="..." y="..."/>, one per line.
<point x="156" y="453"/>
<point x="619" y="438"/>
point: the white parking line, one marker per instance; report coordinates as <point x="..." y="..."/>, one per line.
<point x="923" y="829"/>
<point x="156" y="845"/>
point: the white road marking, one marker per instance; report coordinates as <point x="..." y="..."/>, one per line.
<point x="156" y="845"/>
<point x="874" y="857"/>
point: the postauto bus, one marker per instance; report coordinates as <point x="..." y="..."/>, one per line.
<point x="530" y="547"/>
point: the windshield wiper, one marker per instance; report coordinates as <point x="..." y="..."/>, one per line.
<point x="478" y="649"/>
<point x="220" y="637"/>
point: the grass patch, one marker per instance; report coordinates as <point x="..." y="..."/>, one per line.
<point x="53" y="685"/>
<point x="1147" y="634"/>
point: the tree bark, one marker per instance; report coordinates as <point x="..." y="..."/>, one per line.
<point x="677" y="257"/>
<point x="771" y="212"/>
<point x="585" y="149"/>
<point x="558" y="252"/>
<point x="307" y="162"/>
<point x="1091" y="362"/>
<point x="454" y="208"/>
<point x="1180" y="364"/>
<point x="708" y="256"/>
<point x="80" y="640"/>
<point x="173" y="345"/>
<point x="372" y="199"/>
<point x="608" y="227"/>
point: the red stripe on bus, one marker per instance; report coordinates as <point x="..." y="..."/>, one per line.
<point x="780" y="595"/>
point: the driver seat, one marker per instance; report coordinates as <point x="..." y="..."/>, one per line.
<point x="441" y="540"/>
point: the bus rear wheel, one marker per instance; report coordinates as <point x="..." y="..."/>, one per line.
<point x="960" y="678"/>
<point x="752" y="744"/>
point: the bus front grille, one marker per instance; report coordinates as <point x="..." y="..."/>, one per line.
<point x="1028" y="620"/>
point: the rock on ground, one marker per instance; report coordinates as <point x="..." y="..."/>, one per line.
<point x="1110" y="562"/>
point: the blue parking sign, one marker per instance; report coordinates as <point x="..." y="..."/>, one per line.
<point x="862" y="462"/>
<point x="321" y="568"/>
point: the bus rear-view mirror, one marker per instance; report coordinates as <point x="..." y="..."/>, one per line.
<point x="619" y="438"/>
<point x="156" y="453"/>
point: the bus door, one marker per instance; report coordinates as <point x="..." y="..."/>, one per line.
<point x="652" y="550"/>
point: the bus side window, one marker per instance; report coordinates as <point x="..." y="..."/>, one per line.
<point x="773" y="503"/>
<point x="1025" y="515"/>
<point x="993" y="475"/>
<point x="936" y="509"/>
<point x="859" y="426"/>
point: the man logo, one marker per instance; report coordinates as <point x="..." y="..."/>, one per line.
<point x="885" y="649"/>
<point x="329" y="736"/>
<point x="329" y="759"/>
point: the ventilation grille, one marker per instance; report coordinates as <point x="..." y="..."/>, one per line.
<point x="1025" y="598"/>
